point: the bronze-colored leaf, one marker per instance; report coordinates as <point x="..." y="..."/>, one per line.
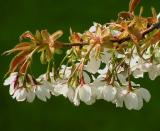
<point x="45" y="35"/>
<point x="124" y="16"/>
<point x="27" y="35"/>
<point x="20" y="47"/>
<point x="56" y="35"/>
<point x="133" y="4"/>
<point x="107" y="43"/>
<point x="155" y="38"/>
<point x="135" y="34"/>
<point x="75" y="38"/>
<point x="152" y="20"/>
<point x="140" y="23"/>
<point x="24" y="67"/>
<point x="17" y="60"/>
<point x="23" y="44"/>
<point x="154" y="12"/>
<point x="38" y="35"/>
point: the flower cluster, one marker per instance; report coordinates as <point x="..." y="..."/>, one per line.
<point x="100" y="63"/>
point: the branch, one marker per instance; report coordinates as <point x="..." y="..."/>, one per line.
<point x="74" y="44"/>
<point x="151" y="28"/>
<point x="148" y="30"/>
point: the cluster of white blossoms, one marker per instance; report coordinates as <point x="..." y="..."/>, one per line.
<point x="97" y="82"/>
<point x="87" y="92"/>
<point x="22" y="92"/>
<point x="102" y="63"/>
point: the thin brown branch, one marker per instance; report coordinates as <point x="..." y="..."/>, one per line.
<point x="151" y="28"/>
<point x="75" y="44"/>
<point x="148" y="30"/>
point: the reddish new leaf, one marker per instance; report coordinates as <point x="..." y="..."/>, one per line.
<point x="23" y="47"/>
<point x="27" y="35"/>
<point x="17" y="60"/>
<point x="20" y="47"/>
<point x="155" y="38"/>
<point x="124" y="15"/>
<point x="24" y="67"/>
<point x="135" y="34"/>
<point x="23" y="44"/>
<point x="152" y="20"/>
<point x="133" y="4"/>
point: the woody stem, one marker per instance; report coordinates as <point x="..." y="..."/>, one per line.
<point x="148" y="30"/>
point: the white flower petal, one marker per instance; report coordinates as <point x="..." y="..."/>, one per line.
<point x="153" y="72"/>
<point x="99" y="92"/>
<point x="121" y="93"/>
<point x="76" y="100"/>
<point x="99" y="82"/>
<point x="86" y="77"/>
<point x="115" y="33"/>
<point x="122" y="77"/>
<point x="106" y="56"/>
<point x="11" y="89"/>
<point x="61" y="89"/>
<point x="70" y="94"/>
<point x="65" y="72"/>
<point x="103" y="71"/>
<point x="158" y="17"/>
<point x="145" y="94"/>
<point x="92" y="100"/>
<point x="131" y="101"/>
<point x="109" y="93"/>
<point x="42" y="93"/>
<point x="93" y="65"/>
<point x="92" y="29"/>
<point x="85" y="93"/>
<point x="10" y="79"/>
<point x="140" y="103"/>
<point x="138" y="73"/>
<point x="21" y="94"/>
<point x="30" y="96"/>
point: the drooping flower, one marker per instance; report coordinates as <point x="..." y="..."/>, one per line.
<point x="133" y="100"/>
<point x="42" y="92"/>
<point x="65" y="72"/>
<point x="17" y="90"/>
<point x="106" y="56"/>
<point x="136" y="64"/>
<point x="152" y="69"/>
<point x="23" y="94"/>
<point x="94" y="62"/>
<point x="82" y="93"/>
<point x="107" y="92"/>
<point x="93" y="65"/>
<point x="62" y="88"/>
<point x="29" y="89"/>
<point x="11" y="79"/>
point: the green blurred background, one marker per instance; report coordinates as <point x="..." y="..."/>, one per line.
<point x="58" y="114"/>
